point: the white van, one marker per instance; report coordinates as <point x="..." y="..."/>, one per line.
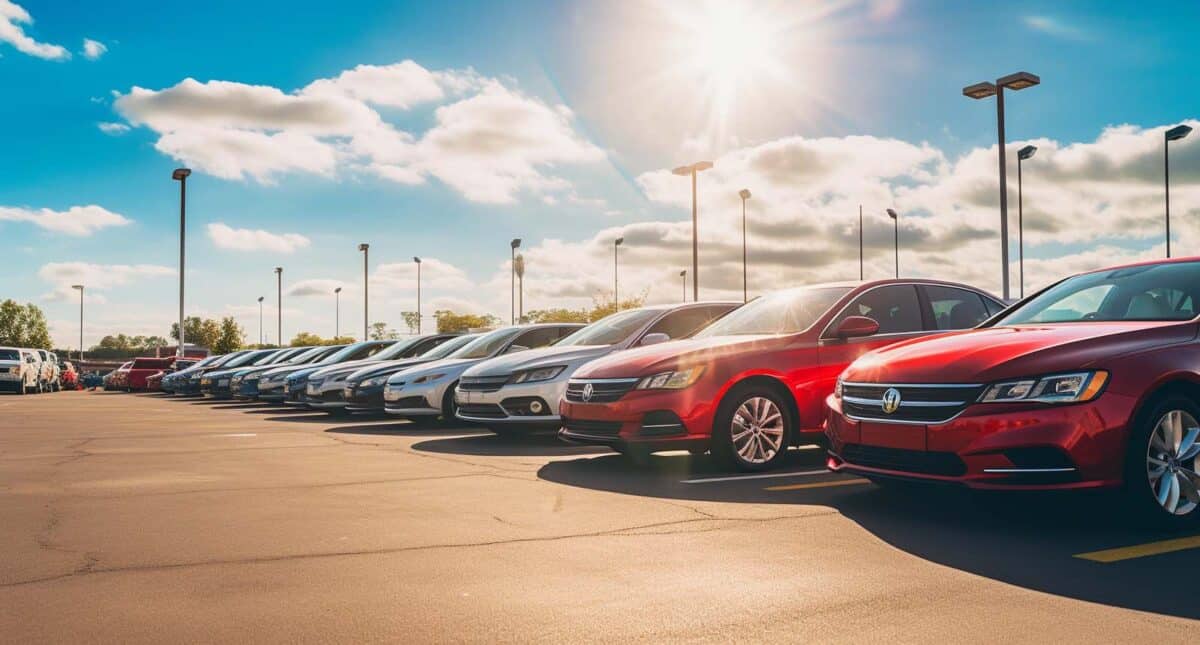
<point x="18" y="370"/>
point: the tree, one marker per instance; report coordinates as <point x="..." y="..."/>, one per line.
<point x="306" y="339"/>
<point x="412" y="320"/>
<point x="23" y="326"/>
<point x="558" y="316"/>
<point x="380" y="331"/>
<point x="230" y="337"/>
<point x="601" y="309"/>
<point x="203" y="332"/>
<point x="449" y="322"/>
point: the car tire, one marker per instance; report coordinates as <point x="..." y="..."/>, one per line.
<point x="449" y="415"/>
<point x="753" y="428"/>
<point x="1162" y="486"/>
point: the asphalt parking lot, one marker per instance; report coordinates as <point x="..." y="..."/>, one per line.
<point x="142" y="518"/>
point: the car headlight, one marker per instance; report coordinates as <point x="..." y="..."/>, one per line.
<point x="373" y="382"/>
<point x="1075" y="387"/>
<point x="539" y="374"/>
<point x="837" y="389"/>
<point x="676" y="380"/>
<point x="428" y="378"/>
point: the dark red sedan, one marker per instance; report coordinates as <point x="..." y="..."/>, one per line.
<point x="1092" y="383"/>
<point x="755" y="382"/>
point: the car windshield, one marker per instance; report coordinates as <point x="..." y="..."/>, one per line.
<point x="449" y="347"/>
<point x="205" y="361"/>
<point x="1157" y="292"/>
<point x="306" y="355"/>
<point x="487" y="344"/>
<point x="244" y="359"/>
<point x="342" y="354"/>
<point x="613" y="329"/>
<point x="268" y="358"/>
<point x="10" y="355"/>
<point x="788" y="312"/>
<point x="398" y="349"/>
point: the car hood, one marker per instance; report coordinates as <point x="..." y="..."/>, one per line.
<point x="386" y="367"/>
<point x="993" y="353"/>
<point x="303" y="373"/>
<point x="348" y="366"/>
<point x="542" y="357"/>
<point x="285" y="370"/>
<point x="643" y="361"/>
<point x="450" y="366"/>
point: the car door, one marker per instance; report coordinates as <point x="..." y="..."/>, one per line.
<point x="536" y="337"/>
<point x="952" y="308"/>
<point x="685" y="322"/>
<point x="897" y="309"/>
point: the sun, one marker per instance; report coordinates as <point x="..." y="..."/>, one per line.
<point x="727" y="45"/>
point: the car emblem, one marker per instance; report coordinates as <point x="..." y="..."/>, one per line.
<point x="588" y="390"/>
<point x="891" y="400"/>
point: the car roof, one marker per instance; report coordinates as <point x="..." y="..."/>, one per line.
<point x="1143" y="263"/>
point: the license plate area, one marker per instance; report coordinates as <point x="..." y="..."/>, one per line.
<point x="893" y="435"/>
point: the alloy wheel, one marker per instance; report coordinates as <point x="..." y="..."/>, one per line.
<point x="1173" y="462"/>
<point x="757" y="430"/>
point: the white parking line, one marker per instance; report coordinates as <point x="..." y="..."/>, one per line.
<point x="799" y="473"/>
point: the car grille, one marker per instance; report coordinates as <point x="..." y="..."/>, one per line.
<point x="909" y="461"/>
<point x="482" y="383"/>
<point x="408" y="403"/>
<point x="919" y="403"/>
<point x="482" y="410"/>
<point x="602" y="390"/>
<point x="606" y="429"/>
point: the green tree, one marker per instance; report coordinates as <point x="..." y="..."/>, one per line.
<point x="198" y="331"/>
<point x="600" y="309"/>
<point x="23" y="326"/>
<point x="230" y="336"/>
<point x="340" y="340"/>
<point x="380" y="331"/>
<point x="307" y="339"/>
<point x="558" y="316"/>
<point x="449" y="322"/>
<point x="412" y="320"/>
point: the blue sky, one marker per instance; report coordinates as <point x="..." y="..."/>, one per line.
<point x="598" y="98"/>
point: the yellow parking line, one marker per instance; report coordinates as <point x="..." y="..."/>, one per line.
<point x="842" y="482"/>
<point x="1142" y="550"/>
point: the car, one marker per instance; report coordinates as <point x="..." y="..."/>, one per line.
<point x="427" y="391"/>
<point x="324" y="388"/>
<point x="144" y="367"/>
<point x="46" y="370"/>
<point x="55" y="371"/>
<point x="189" y="381"/>
<point x="175" y="379"/>
<point x="18" y="371"/>
<point x="69" y="379"/>
<point x="269" y="386"/>
<point x="754" y="383"/>
<point x="363" y="390"/>
<point x="519" y="393"/>
<point x="1091" y="383"/>
<point x="217" y="382"/>
<point x="296" y="385"/>
<point x="154" y="381"/>
<point x="244" y="382"/>
<point x="118" y="379"/>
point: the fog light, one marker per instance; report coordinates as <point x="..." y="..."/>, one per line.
<point x="536" y="407"/>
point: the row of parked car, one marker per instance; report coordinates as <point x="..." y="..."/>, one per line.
<point x="33" y="371"/>
<point x="1091" y="383"/>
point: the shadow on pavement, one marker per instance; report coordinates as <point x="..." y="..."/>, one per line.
<point x="488" y="444"/>
<point x="1024" y="539"/>
<point x="396" y="428"/>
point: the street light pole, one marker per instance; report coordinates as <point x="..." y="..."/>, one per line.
<point x="80" y="288"/>
<point x="337" y="313"/>
<point x="418" y="261"/>
<point x="744" y="194"/>
<point x="260" y="320"/>
<point x="1022" y="154"/>
<point x="365" y="248"/>
<point x="1017" y="81"/>
<point x="279" y="305"/>
<point x="896" y="224"/>
<point x="180" y="175"/>
<point x="1174" y="134"/>
<point x="860" y="244"/>
<point x="512" y="279"/>
<point x="616" y="297"/>
<point x="684" y="171"/>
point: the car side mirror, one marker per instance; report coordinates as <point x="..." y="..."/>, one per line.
<point x="857" y="327"/>
<point x="656" y="338"/>
<point x="513" y="349"/>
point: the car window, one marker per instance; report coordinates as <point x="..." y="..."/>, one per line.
<point x="895" y="307"/>
<point x="449" y="347"/>
<point x="487" y="344"/>
<point x="9" y="355"/>
<point x="611" y="329"/>
<point x="1157" y="292"/>
<point x="681" y="324"/>
<point x="955" y="308"/>
<point x="786" y="312"/>
<point x="401" y="349"/>
<point x="539" y="337"/>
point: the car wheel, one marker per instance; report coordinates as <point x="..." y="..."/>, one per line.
<point x="1162" y="465"/>
<point x="450" y="407"/>
<point x="753" y="429"/>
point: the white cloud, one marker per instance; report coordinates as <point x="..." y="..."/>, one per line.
<point x="12" y="16"/>
<point x="400" y="85"/>
<point x="435" y="274"/>
<point x="95" y="277"/>
<point x="112" y="128"/>
<point x="93" y="49"/>
<point x="1055" y="27"/>
<point x="244" y="239"/>
<point x="236" y="154"/>
<point x="79" y="221"/>
<point x="316" y="287"/>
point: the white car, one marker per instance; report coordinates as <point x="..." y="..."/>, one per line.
<point x="324" y="390"/>
<point x="19" y="370"/>
<point x="520" y="393"/>
<point x="428" y="391"/>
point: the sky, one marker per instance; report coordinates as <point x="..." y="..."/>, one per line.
<point x="446" y="130"/>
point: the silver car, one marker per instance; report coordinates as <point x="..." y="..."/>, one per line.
<point x="520" y="393"/>
<point x="324" y="388"/>
<point x="428" y="391"/>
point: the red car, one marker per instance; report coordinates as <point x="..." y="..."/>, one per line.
<point x="755" y="381"/>
<point x="144" y="368"/>
<point x="1093" y="382"/>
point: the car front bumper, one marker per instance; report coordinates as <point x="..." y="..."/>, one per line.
<point x="992" y="446"/>
<point x="422" y="400"/>
<point x="649" y="420"/>
<point x="511" y="404"/>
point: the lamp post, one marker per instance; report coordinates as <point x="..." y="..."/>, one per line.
<point x="744" y="194"/>
<point x="616" y="297"/>
<point x="685" y="171"/>
<point x="519" y="267"/>
<point x="365" y="248"/>
<point x="683" y="278"/>
<point x="896" y="225"/>
<point x="279" y="305"/>
<point x="1022" y="154"/>
<point x="1017" y="81"/>
<point x="512" y="275"/>
<point x="180" y="175"/>
<point x="860" y="245"/>
<point x="337" y="313"/>
<point x="417" y="260"/>
<point x="1174" y="134"/>
<point x="260" y="319"/>
<point x="80" y="288"/>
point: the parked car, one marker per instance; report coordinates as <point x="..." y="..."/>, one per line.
<point x="18" y="371"/>
<point x="46" y="371"/>
<point x="182" y="371"/>
<point x="324" y="388"/>
<point x="69" y="378"/>
<point x="753" y="383"/>
<point x="1094" y="382"/>
<point x="154" y="381"/>
<point x="188" y="381"/>
<point x="271" y="383"/>
<point x="519" y="393"/>
<point x="143" y="367"/>
<point x="217" y="382"/>
<point x="363" y="390"/>
<point x="245" y="382"/>
<point x="118" y="379"/>
<point x="232" y="377"/>
<point x="427" y="391"/>
<point x="296" y="384"/>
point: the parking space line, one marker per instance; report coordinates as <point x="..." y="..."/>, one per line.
<point x="840" y="482"/>
<point x="1142" y="550"/>
<point x="734" y="478"/>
